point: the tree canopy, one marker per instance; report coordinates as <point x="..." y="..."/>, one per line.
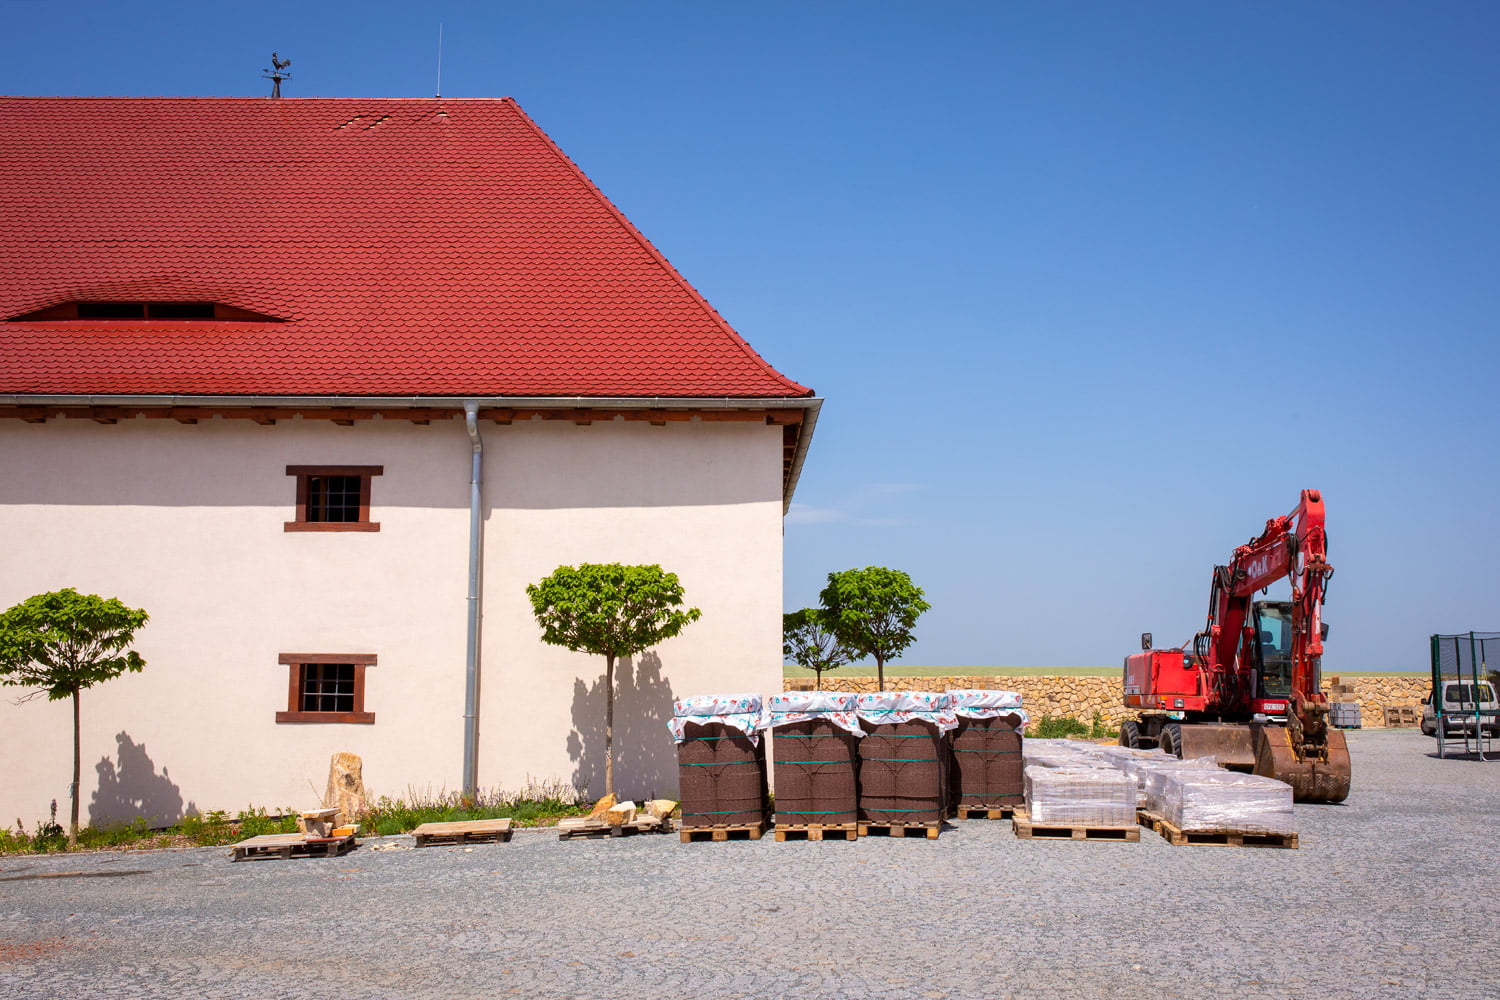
<point x="609" y="609"/>
<point x="808" y="640"/>
<point x="612" y="611"/>
<point x="873" y="611"/>
<point x="63" y="642"/>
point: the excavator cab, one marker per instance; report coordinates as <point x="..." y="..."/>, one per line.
<point x="1273" y="654"/>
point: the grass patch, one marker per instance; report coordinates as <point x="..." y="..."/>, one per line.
<point x="538" y="804"/>
<point x="207" y="830"/>
<point x="1054" y="727"/>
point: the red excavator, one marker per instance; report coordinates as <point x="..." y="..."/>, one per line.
<point x="1248" y="692"/>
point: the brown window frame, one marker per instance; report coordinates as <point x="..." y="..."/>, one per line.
<point x="296" y="661"/>
<point x="306" y="472"/>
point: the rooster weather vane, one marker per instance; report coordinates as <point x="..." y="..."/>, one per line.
<point x="277" y="73"/>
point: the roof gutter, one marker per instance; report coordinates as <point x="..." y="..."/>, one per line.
<point x="397" y="402"/>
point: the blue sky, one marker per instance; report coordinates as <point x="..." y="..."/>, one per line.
<point x="1092" y="289"/>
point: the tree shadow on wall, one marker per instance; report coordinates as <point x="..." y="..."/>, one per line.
<point x="645" y="756"/>
<point x="132" y="788"/>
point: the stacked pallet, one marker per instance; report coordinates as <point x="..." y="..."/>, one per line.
<point x="815" y="739"/>
<point x="721" y="766"/>
<point x="903" y="761"/>
<point x="1225" y="807"/>
<point x="986" y="753"/>
<point x="1344" y="715"/>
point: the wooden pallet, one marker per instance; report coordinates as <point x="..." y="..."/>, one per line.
<point x="583" y="828"/>
<point x="472" y="831"/>
<point x="1401" y="716"/>
<point x="816" y="831"/>
<point x="928" y="830"/>
<point x="985" y="812"/>
<point x="1025" y="829"/>
<point x="291" y="845"/>
<point x="751" y="831"/>
<point x="1178" y="837"/>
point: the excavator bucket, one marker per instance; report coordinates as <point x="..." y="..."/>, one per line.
<point x="1313" y="779"/>
<point x="1232" y="746"/>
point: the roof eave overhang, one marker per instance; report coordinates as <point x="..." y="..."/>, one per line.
<point x="811" y="405"/>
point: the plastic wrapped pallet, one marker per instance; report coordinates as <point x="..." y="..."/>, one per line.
<point x="1080" y="795"/>
<point x="721" y="760"/>
<point x="1139" y="763"/>
<point x="815" y="745"/>
<point x="1153" y="778"/>
<point x="1227" y="800"/>
<point x="903" y="758"/>
<point x="1054" y="753"/>
<point x="986" y="763"/>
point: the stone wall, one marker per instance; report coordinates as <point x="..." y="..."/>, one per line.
<point x="1080" y="697"/>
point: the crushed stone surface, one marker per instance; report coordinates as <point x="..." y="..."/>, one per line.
<point x="1389" y="895"/>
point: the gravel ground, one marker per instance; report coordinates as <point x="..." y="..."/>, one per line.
<point x="1388" y="896"/>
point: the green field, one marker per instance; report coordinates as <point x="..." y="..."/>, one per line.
<point x="906" y="670"/>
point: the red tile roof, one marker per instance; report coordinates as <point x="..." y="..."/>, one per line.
<point x="412" y="247"/>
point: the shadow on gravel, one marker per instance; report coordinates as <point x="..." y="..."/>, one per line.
<point x="41" y="875"/>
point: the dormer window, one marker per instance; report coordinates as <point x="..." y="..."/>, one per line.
<point x="160" y="311"/>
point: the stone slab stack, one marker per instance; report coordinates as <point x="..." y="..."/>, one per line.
<point x="721" y="761"/>
<point x="903" y="758"/>
<point x="815" y="748"/>
<point x="986" y="770"/>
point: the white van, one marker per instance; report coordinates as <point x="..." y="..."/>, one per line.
<point x="1460" y="697"/>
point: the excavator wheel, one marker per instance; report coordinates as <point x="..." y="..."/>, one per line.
<point x="1130" y="734"/>
<point x="1312" y="780"/>
<point x="1170" y="739"/>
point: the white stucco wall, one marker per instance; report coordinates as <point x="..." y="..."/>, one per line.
<point x="186" y="522"/>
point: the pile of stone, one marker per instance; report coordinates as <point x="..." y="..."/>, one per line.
<point x="1088" y="793"/>
<point x="986" y="748"/>
<point x="721" y="761"/>
<point x="815" y="738"/>
<point x="1085" y="784"/>
<point x="903" y="758"/>
<point x="1203" y="800"/>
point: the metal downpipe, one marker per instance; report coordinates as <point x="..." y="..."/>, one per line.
<point x="471" y="656"/>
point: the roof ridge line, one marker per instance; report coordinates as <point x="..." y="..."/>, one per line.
<point x="657" y="255"/>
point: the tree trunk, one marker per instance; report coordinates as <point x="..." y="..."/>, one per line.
<point x="609" y="723"/>
<point x="77" y="758"/>
<point x="880" y="670"/>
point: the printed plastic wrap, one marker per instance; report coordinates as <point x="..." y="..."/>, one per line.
<point x="804" y="706"/>
<point x="884" y="708"/>
<point x="1080" y="795"/>
<point x="1227" y="800"/>
<point x="737" y="711"/>
<point x="980" y="703"/>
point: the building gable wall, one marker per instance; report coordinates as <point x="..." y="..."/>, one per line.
<point x="187" y="521"/>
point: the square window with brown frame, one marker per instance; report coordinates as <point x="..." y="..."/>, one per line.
<point x="333" y="497"/>
<point x="326" y="687"/>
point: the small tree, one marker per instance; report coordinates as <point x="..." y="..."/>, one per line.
<point x="808" y="640"/>
<point x="63" y="642"/>
<point x="611" y="611"/>
<point x="872" y="611"/>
